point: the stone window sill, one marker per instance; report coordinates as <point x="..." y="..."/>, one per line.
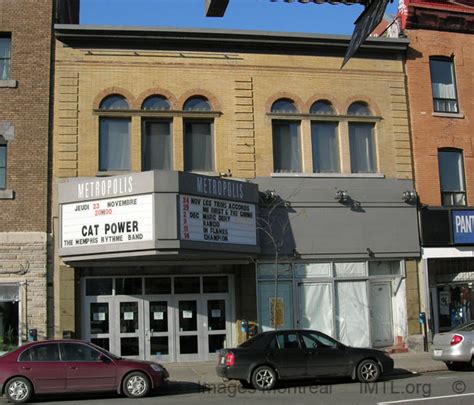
<point x="448" y="115"/>
<point x="331" y="175"/>
<point x="7" y="194"/>
<point x="9" y="83"/>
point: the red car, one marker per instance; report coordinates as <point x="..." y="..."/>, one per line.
<point x="63" y="366"/>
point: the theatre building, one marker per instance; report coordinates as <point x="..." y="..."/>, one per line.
<point x="440" y="85"/>
<point x="207" y="180"/>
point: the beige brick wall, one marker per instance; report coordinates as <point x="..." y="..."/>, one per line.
<point x="241" y="88"/>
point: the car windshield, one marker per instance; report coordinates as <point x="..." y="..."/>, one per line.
<point x="107" y="353"/>
<point x="466" y="327"/>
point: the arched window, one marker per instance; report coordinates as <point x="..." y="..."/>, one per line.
<point x="359" y="108"/>
<point x="284" y="106"/>
<point x="198" y="139"/>
<point x="114" y="136"/>
<point x="451" y="177"/>
<point x="197" y="103"/>
<point x="156" y="103"/>
<point x="114" y="102"/>
<point x="322" y="107"/>
<point x="324" y="139"/>
<point x="361" y="140"/>
<point x="286" y="138"/>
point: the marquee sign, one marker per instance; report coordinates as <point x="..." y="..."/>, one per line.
<point x="109" y="221"/>
<point x="218" y="221"/>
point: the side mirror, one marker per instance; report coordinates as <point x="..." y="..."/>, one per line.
<point x="104" y="359"/>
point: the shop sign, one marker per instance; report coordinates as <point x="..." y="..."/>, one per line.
<point x="218" y="221"/>
<point x="463" y="226"/>
<point x="106" y="222"/>
<point x="277" y="312"/>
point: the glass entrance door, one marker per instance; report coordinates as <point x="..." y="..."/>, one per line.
<point x="217" y="327"/>
<point x="130" y="332"/>
<point x="158" y="329"/>
<point x="188" y="329"/>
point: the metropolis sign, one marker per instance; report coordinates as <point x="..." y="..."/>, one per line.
<point x="155" y="212"/>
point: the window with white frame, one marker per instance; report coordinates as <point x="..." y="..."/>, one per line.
<point x="114" y="135"/>
<point x="451" y="177"/>
<point x="443" y="85"/>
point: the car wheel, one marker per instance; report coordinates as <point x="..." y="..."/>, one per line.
<point x="264" y="378"/>
<point x="245" y="384"/>
<point x="454" y="365"/>
<point x="368" y="371"/>
<point x="136" y="385"/>
<point x="18" y="390"/>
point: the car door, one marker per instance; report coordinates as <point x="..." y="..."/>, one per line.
<point x="42" y="365"/>
<point x="325" y="356"/>
<point x="287" y="355"/>
<point x="87" y="369"/>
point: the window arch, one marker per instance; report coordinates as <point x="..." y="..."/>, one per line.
<point x="114" y="102"/>
<point x="197" y="103"/>
<point x="359" y="108"/>
<point x="156" y="102"/>
<point x="284" y="106"/>
<point x="322" y="107"/>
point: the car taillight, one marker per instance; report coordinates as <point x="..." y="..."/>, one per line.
<point x="229" y="359"/>
<point x="456" y="339"/>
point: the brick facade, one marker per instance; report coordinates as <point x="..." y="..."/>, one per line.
<point x="432" y="131"/>
<point x="25" y="107"/>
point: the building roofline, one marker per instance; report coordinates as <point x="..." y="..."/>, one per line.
<point x="70" y="33"/>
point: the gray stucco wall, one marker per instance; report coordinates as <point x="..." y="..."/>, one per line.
<point x="318" y="226"/>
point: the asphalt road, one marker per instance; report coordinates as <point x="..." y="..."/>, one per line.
<point x="440" y="388"/>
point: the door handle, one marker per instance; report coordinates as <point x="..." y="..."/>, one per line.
<point x="73" y="367"/>
<point x="26" y="368"/>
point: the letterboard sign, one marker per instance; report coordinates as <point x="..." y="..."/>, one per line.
<point x="214" y="220"/>
<point x="108" y="221"/>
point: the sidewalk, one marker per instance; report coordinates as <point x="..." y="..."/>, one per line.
<point x="204" y="372"/>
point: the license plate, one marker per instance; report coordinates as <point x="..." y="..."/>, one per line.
<point x="222" y="360"/>
<point x="438" y="353"/>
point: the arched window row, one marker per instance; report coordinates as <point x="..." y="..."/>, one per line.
<point x="320" y="107"/>
<point x="156" y="102"/>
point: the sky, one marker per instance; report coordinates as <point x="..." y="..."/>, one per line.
<point x="241" y="14"/>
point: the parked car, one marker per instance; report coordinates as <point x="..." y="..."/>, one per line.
<point x="456" y="347"/>
<point x="298" y="354"/>
<point x="66" y="366"/>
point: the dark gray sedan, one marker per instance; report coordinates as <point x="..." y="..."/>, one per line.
<point x="299" y="354"/>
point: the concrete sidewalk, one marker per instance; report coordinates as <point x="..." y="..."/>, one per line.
<point x="202" y="373"/>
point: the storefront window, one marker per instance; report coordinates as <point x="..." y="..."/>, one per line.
<point x="99" y="286"/>
<point x="357" y="269"/>
<point x="384" y="268"/>
<point x="276" y="310"/>
<point x="313" y="270"/>
<point x="267" y="271"/>
<point x="187" y="285"/>
<point x="128" y="286"/>
<point x="9" y="296"/>
<point x="218" y="284"/>
<point x="157" y="285"/>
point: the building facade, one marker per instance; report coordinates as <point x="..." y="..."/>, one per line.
<point x="207" y="180"/>
<point x="440" y="87"/>
<point x="26" y="29"/>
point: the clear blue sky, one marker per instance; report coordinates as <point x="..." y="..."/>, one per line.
<point x="241" y="14"/>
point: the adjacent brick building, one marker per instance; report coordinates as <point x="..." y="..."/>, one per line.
<point x="440" y="75"/>
<point x="25" y="152"/>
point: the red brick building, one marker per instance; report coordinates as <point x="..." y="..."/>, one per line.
<point x="26" y="67"/>
<point x="440" y="76"/>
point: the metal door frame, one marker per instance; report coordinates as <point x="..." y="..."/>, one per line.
<point x="390" y="313"/>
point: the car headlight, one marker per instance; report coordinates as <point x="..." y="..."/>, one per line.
<point x="156" y="367"/>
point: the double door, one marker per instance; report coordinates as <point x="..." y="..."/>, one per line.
<point x="165" y="328"/>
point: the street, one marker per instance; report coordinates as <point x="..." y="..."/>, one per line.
<point x="431" y="388"/>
